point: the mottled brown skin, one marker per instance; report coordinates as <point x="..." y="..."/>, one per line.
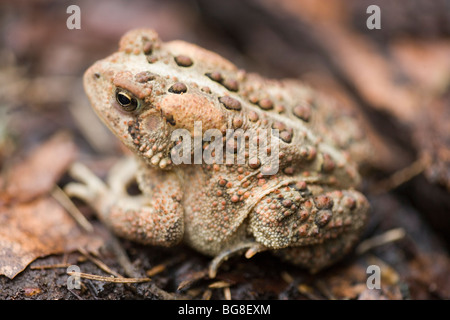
<point x="308" y="212"/>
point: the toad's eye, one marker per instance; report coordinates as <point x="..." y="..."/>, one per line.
<point x="127" y="101"/>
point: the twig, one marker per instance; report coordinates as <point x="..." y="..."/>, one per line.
<point x="219" y="284"/>
<point x="50" y="266"/>
<point x="287" y="277"/>
<point x="107" y="279"/>
<point x="99" y="263"/>
<point x="67" y="204"/>
<point x="165" y="264"/>
<point x="227" y="293"/>
<point x="401" y="176"/>
<point x="125" y="263"/>
<point x="379" y="240"/>
<point x="122" y="256"/>
<point x="156" y="269"/>
<point x="75" y="294"/>
<point x="207" y="294"/>
<point x="307" y="291"/>
<point x="324" y="289"/>
<point x="194" y="277"/>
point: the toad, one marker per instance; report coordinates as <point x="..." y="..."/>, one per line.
<point x="299" y="202"/>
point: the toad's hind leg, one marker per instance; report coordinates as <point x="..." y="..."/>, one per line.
<point x="155" y="217"/>
<point x="319" y="256"/>
<point x="309" y="226"/>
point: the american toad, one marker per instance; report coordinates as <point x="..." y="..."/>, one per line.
<point x="306" y="211"/>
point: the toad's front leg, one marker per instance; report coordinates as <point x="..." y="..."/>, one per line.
<point x="154" y="217"/>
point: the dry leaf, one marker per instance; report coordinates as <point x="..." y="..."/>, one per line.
<point x="32" y="223"/>
<point x="36" y="229"/>
<point x="41" y="170"/>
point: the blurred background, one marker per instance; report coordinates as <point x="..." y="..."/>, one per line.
<point x="396" y="77"/>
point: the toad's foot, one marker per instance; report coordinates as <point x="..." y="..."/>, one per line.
<point x="94" y="191"/>
<point x="251" y="248"/>
<point x="154" y="217"/>
<point x="90" y="187"/>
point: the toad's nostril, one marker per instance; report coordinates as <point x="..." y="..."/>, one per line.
<point x="97" y="75"/>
